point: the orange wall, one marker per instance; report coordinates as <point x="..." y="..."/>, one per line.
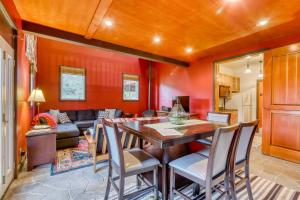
<point x="104" y="76"/>
<point x="24" y="114"/>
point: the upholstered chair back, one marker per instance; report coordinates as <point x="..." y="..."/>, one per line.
<point x="218" y="117"/>
<point x="221" y="149"/>
<point x="245" y="142"/>
<point x="114" y="143"/>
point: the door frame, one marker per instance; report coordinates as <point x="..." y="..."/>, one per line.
<point x="9" y="51"/>
<point x="257" y="98"/>
<point x="215" y="70"/>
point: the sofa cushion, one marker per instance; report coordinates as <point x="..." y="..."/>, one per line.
<point x="83" y="115"/>
<point x="96" y="111"/>
<point x="84" y="124"/>
<point x="118" y="113"/>
<point x="66" y="130"/>
<point x="71" y="114"/>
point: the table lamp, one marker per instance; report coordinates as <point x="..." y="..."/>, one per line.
<point x="38" y="97"/>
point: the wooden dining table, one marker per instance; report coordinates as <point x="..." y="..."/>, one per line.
<point x="189" y="134"/>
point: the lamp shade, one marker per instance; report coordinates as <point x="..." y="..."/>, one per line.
<point x="37" y="96"/>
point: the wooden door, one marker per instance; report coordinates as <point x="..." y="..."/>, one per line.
<point x="281" y="100"/>
<point x="6" y="115"/>
<point x="259" y="102"/>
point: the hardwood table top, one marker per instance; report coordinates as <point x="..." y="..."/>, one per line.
<point x="190" y="133"/>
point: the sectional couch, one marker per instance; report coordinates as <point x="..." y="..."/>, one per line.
<point x="68" y="134"/>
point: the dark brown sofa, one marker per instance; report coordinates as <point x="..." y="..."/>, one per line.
<point x="68" y="134"/>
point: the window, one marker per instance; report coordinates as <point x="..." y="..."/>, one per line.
<point x="72" y="83"/>
<point x="131" y="84"/>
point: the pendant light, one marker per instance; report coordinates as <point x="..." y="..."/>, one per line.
<point x="260" y="75"/>
<point x="248" y="70"/>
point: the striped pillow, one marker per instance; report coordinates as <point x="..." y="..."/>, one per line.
<point x="63" y="118"/>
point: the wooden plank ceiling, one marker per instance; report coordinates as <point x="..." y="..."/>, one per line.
<point x="207" y="26"/>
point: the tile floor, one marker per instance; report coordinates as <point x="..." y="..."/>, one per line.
<point x="83" y="184"/>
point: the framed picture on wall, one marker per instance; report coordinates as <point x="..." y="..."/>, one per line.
<point x="72" y="83"/>
<point x="131" y="87"/>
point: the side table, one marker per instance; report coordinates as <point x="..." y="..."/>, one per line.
<point x="41" y="147"/>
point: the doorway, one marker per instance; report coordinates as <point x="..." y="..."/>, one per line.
<point x="6" y="115"/>
<point x="238" y="87"/>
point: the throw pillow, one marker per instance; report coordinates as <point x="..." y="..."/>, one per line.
<point x="54" y="114"/>
<point x="63" y="118"/>
<point x="111" y="114"/>
<point x="103" y="114"/>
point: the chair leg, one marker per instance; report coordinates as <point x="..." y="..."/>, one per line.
<point x="248" y="184"/>
<point x="94" y="163"/>
<point x="208" y="195"/>
<point x="227" y="188"/>
<point x="94" y="158"/>
<point x="121" y="188"/>
<point x="138" y="182"/>
<point x="232" y="186"/>
<point x="108" y="182"/>
<point x="196" y="189"/>
<point x="172" y="183"/>
<point x="155" y="183"/>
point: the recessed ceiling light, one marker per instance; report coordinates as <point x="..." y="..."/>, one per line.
<point x="188" y="50"/>
<point x="294" y="47"/>
<point x="232" y="1"/>
<point x="156" y="39"/>
<point x="219" y="10"/>
<point x="248" y="57"/>
<point x="108" y="22"/>
<point x="262" y="22"/>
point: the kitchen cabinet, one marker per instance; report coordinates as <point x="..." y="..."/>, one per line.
<point x="224" y="91"/>
<point x="231" y="81"/>
<point x="235" y="87"/>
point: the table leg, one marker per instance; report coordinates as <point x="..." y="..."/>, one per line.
<point x="141" y="143"/>
<point x="165" y="161"/>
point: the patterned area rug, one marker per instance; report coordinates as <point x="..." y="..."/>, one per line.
<point x="262" y="189"/>
<point x="72" y="158"/>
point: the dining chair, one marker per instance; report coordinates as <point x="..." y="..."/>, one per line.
<point x="210" y="171"/>
<point x="242" y="158"/>
<point x="218" y="118"/>
<point x="127" y="163"/>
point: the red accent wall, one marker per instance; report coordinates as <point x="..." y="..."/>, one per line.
<point x="104" y="76"/>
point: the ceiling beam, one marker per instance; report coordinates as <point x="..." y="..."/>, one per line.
<point x="100" y="12"/>
<point x="60" y="34"/>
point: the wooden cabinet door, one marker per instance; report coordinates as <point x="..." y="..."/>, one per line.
<point x="281" y="101"/>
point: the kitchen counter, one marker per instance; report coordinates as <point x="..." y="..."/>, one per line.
<point x="227" y="110"/>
